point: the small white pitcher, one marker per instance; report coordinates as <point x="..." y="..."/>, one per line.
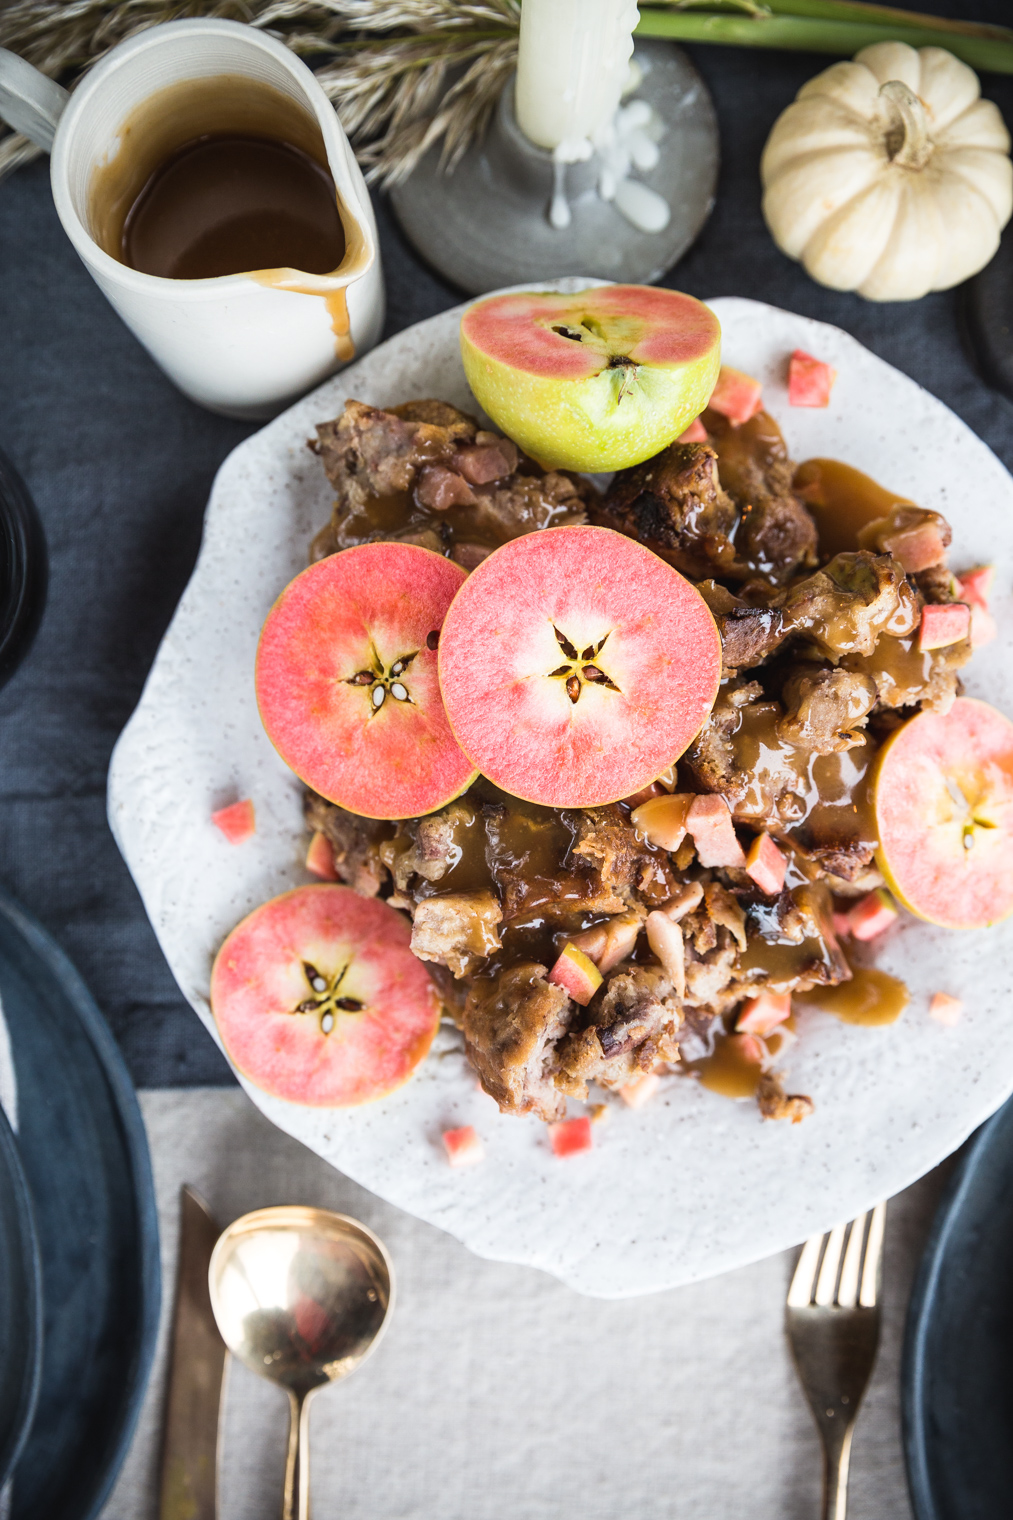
<point x="242" y="344"/>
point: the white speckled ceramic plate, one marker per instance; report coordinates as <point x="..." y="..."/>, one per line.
<point x="694" y="1184"/>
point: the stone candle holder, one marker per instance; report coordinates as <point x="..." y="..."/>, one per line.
<point x="487" y="224"/>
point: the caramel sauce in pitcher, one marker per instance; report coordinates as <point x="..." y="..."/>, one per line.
<point x="228" y="202"/>
<point x="227" y="175"/>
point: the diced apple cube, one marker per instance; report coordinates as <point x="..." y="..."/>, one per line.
<point x="695" y="433"/>
<point x="945" y="1009"/>
<point x="237" y="821"/>
<point x="736" y="396"/>
<point x="576" y="973"/>
<point x="974" y="588"/>
<point x="639" y="1090"/>
<point x="665" y="939"/>
<point x="872" y="915"/>
<point x="983" y="626"/>
<point x="662" y="820"/>
<point x="320" y="857"/>
<point x="943" y="624"/>
<point x="568" y="1136"/>
<point x="464" y="1147"/>
<point x="810" y="380"/>
<point x="761" y="1015"/>
<point x="976" y="585"/>
<point x="621" y="933"/>
<point x="766" y="864"/>
<point x="709" y="820"/>
<point x="916" y="548"/>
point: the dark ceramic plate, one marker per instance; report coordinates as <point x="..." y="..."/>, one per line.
<point x="22" y="569"/>
<point x="85" y="1156"/>
<point x="958" y="1352"/>
<point x="20" y="1304"/>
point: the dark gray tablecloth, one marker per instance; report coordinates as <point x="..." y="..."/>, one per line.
<point x="120" y="466"/>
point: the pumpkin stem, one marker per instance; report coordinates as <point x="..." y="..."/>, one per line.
<point x="907" y="136"/>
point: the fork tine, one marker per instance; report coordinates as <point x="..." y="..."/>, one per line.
<point x="847" y="1291"/>
<point x="826" y="1285"/>
<point x="873" y="1256"/>
<point x="801" y="1291"/>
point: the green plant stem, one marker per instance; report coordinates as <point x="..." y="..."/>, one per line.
<point x="817" y="35"/>
<point x="887" y="15"/>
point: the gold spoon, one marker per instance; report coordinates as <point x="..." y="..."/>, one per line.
<point x="301" y="1296"/>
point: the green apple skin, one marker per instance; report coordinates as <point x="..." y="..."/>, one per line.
<point x="595" y="381"/>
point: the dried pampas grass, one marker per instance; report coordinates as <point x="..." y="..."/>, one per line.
<point x="403" y="74"/>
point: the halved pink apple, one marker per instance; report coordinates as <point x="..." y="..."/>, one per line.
<point x="575" y="666"/>
<point x="943" y="797"/>
<point x="597" y="380"/>
<point x="347" y="684"/>
<point x="319" y="999"/>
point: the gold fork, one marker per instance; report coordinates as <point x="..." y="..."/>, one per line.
<point x="833" y="1325"/>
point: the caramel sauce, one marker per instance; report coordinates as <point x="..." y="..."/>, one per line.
<point x="227" y="202"/>
<point x="871" y="997"/>
<point x="822" y="797"/>
<point x="726" y="1072"/>
<point x="842" y="501"/>
<point x="899" y="669"/>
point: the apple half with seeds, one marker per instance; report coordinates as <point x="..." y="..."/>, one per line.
<point x="319" y="999"/>
<point x="347" y="683"/>
<point x="576" y="666"/>
<point x="594" y="381"/>
<point x="943" y="796"/>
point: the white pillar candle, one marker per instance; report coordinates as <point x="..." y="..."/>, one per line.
<point x="574" y="61"/>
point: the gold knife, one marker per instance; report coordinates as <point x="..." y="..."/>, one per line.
<point x="196" y="1369"/>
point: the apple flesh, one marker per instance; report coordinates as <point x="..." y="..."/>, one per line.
<point x="640" y="1090"/>
<point x="577" y="974"/>
<point x="762" y="1014"/>
<point x="975" y="587"/>
<point x="943" y="624"/>
<point x="320" y="857"/>
<point x="598" y="380"/>
<point x="810" y="380"/>
<point x="709" y="821"/>
<point x="767" y="865"/>
<point x="575" y="666"/>
<point x="662" y="820"/>
<point x="463" y="1146"/>
<point x="237" y="821"/>
<point x="871" y="916"/>
<point x="942" y="790"/>
<point x="319" y="1000"/>
<point x="347" y="683"/>
<point x="736" y="396"/>
<point x="570" y="1136"/>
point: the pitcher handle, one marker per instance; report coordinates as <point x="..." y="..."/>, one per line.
<point x="30" y="101"/>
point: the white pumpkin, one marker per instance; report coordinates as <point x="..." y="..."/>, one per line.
<point x="889" y="175"/>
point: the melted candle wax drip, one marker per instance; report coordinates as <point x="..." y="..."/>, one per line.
<point x="629" y="141"/>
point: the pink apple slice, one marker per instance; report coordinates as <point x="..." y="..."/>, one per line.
<point x="576" y="666"/>
<point x="347" y="681"/>
<point x="943" y="796"/>
<point x="319" y="999"/>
